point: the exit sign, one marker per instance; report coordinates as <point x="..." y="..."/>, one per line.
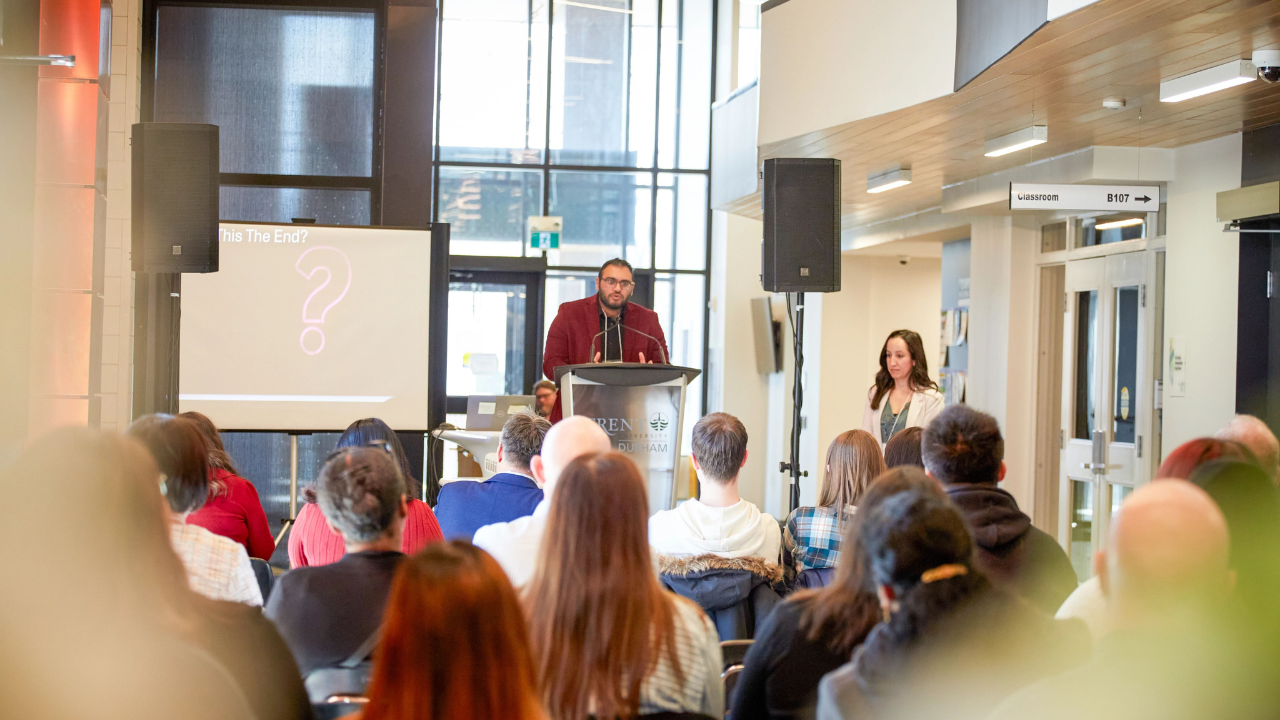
<point x="544" y="232"/>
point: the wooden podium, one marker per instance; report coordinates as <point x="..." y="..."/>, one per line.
<point x="641" y="407"/>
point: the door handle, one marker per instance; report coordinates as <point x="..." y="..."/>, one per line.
<point x="1098" y="464"/>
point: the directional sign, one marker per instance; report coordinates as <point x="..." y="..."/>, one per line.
<point x="1117" y="198"/>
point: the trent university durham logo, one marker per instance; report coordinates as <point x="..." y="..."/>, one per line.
<point x="629" y="435"/>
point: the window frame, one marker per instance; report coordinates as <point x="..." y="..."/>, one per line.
<point x="546" y="167"/>
<point x="373" y="183"/>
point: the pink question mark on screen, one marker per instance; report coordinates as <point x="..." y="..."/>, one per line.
<point x="333" y="266"/>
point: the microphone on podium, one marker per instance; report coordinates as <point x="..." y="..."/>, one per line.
<point x="665" y="361"/>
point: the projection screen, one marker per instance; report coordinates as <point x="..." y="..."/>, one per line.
<point x="308" y="327"/>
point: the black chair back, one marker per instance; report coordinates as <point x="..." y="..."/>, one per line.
<point x="729" y="679"/>
<point x="734" y="651"/>
<point x="262" y="571"/>
<point x="324" y="684"/>
<point x="340" y="707"/>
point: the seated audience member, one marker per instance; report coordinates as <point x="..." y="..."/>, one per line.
<point x="545" y="394"/>
<point x="327" y="613"/>
<point x="1164" y="572"/>
<point x="1184" y="459"/>
<point x="1248" y="501"/>
<point x="1255" y="435"/>
<point x="217" y="567"/>
<point x="233" y="509"/>
<point x="814" y="632"/>
<point x="313" y="542"/>
<point x="515" y="544"/>
<point x="608" y="641"/>
<point x="719" y="550"/>
<point x="963" y="449"/>
<point x="467" y="506"/>
<point x="813" y="534"/>
<point x="1087" y="602"/>
<point x="719" y="522"/>
<point x="115" y="631"/>
<point x="951" y="645"/>
<point x="453" y="596"/>
<point x="904" y="449"/>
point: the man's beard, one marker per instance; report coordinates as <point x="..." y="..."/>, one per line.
<point x="604" y="300"/>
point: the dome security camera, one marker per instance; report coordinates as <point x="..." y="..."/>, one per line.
<point x="1268" y="63"/>
<point x="903" y="259"/>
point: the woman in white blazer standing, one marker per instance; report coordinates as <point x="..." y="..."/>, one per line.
<point x="903" y="395"/>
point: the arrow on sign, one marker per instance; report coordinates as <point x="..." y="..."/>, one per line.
<point x="1144" y="198"/>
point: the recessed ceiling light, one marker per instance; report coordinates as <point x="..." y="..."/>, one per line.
<point x="1015" y="141"/>
<point x="889" y="180"/>
<point x="1127" y="222"/>
<point x="1236" y="72"/>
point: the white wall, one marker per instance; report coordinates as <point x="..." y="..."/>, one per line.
<point x="737" y="387"/>
<point x="1201" y="285"/>
<point x="879" y="295"/>
<point x="117" y="311"/>
<point x="1002" y="342"/>
<point x="830" y="62"/>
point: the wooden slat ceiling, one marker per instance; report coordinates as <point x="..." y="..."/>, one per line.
<point x="1059" y="77"/>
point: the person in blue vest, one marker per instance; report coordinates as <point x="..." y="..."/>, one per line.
<point x="466" y="506"/>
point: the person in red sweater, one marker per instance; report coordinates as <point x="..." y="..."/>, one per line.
<point x="312" y="542"/>
<point x="605" y="327"/>
<point x="233" y="509"/>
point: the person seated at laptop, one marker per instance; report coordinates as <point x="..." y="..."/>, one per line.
<point x="328" y="612"/>
<point x="467" y="506"/>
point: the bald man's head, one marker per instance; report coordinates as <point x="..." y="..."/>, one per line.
<point x="567" y="440"/>
<point x="1167" y="548"/>
<point x="1255" y="435"/>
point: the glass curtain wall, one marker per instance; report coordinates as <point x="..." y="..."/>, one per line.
<point x="598" y="111"/>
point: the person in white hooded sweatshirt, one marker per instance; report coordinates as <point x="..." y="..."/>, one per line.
<point x="719" y="550"/>
<point x="719" y="522"/>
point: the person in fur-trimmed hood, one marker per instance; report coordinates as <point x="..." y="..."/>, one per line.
<point x="719" y="550"/>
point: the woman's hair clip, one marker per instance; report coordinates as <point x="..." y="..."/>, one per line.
<point x="942" y="572"/>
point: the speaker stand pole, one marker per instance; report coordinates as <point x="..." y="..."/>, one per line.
<point x="797" y="397"/>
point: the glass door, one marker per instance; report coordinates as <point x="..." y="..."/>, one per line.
<point x="1104" y="391"/>
<point x="495" y="334"/>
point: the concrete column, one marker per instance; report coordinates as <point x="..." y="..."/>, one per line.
<point x="1002" y="339"/>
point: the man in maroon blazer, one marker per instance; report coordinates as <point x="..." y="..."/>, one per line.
<point x="604" y="327"/>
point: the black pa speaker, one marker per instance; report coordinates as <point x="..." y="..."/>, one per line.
<point x="801" y="225"/>
<point x="175" y="198"/>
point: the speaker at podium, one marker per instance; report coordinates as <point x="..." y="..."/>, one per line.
<point x="641" y="407"/>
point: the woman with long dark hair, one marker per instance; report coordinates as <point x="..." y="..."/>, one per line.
<point x="98" y="619"/>
<point x="312" y="542"/>
<point x="950" y="644"/>
<point x="812" y="536"/>
<point x="608" y="641"/>
<point x="454" y="642"/>
<point x="217" y="567"/>
<point x="814" y="631"/>
<point x="903" y="395"/>
<point x="233" y="509"/>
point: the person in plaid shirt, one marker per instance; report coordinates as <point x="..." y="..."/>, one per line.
<point x="812" y="535"/>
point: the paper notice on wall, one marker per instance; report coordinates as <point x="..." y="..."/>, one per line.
<point x="1175" y="369"/>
